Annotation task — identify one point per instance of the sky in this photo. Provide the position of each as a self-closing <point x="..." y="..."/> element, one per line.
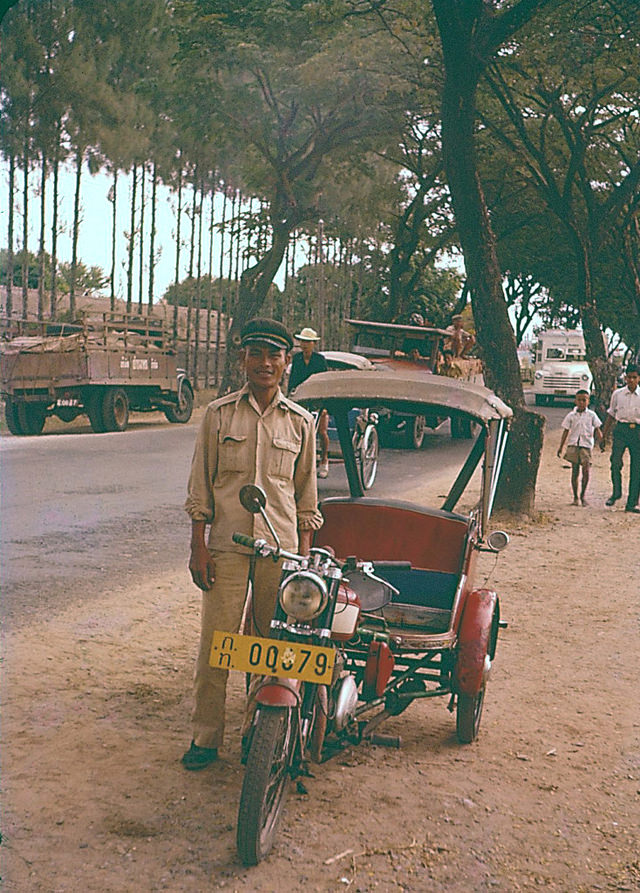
<point x="94" y="242"/>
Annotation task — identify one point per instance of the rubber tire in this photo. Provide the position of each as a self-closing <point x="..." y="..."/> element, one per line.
<point x="31" y="417"/>
<point x="93" y="406"/>
<point x="414" y="435"/>
<point x="11" y="417"/>
<point x="368" y="453"/>
<point x="180" y="414"/>
<point x="267" y="767"/>
<point x="468" y="716"/>
<point x="115" y="409"/>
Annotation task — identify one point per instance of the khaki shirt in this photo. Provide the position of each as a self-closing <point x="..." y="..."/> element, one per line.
<point x="238" y="445"/>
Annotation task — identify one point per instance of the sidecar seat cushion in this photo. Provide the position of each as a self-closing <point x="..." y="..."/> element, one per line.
<point x="432" y="589"/>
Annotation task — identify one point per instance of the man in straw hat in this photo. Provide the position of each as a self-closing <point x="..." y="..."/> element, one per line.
<point x="253" y="436"/>
<point x="305" y="363"/>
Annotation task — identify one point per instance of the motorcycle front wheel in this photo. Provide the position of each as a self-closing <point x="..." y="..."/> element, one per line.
<point x="266" y="782"/>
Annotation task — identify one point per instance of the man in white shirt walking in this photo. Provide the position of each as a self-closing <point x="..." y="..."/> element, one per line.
<point x="580" y="426"/>
<point x="624" y="413"/>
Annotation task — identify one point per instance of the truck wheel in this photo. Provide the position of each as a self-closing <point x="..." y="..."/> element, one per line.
<point x="182" y="412"/>
<point x="31" y="417"/>
<point x="115" y="409"/>
<point x="11" y="417"/>
<point x="93" y="405"/>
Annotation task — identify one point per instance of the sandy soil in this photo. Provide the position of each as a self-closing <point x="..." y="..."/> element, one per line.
<point x="96" y="706"/>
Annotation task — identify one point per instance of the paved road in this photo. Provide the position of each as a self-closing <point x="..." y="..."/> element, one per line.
<point x="84" y="511"/>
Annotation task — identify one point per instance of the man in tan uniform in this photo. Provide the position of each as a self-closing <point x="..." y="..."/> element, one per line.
<point x="253" y="436"/>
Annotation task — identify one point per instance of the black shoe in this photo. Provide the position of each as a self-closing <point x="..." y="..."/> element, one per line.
<point x="612" y="500"/>
<point x="199" y="757"/>
<point x="633" y="509"/>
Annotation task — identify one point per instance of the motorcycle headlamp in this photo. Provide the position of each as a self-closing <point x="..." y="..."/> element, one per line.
<point x="303" y="595"/>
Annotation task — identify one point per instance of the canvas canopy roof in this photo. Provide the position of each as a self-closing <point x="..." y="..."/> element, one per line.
<point x="403" y="391"/>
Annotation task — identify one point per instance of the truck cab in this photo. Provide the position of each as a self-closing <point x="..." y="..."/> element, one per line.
<point x="561" y="367"/>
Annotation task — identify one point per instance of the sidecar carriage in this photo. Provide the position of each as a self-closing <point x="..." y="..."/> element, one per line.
<point x="425" y="626"/>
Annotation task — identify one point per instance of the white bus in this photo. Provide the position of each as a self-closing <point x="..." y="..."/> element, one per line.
<point x="560" y="366"/>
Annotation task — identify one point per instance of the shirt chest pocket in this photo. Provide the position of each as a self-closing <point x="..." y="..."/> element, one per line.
<point x="233" y="454"/>
<point x="283" y="457"/>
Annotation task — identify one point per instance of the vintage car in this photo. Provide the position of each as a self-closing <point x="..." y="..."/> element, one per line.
<point x="412" y="349"/>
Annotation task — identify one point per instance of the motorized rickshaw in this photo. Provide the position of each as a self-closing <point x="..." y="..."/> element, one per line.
<point x="385" y="609"/>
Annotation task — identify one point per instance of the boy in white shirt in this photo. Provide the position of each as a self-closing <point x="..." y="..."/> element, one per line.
<point x="580" y="426"/>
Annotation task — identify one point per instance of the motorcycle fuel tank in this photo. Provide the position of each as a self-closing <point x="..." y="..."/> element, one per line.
<point x="346" y="616"/>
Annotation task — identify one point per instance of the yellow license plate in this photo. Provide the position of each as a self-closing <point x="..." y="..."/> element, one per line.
<point x="271" y="657"/>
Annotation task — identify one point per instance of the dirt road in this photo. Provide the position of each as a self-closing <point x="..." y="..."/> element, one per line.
<point x="96" y="706"/>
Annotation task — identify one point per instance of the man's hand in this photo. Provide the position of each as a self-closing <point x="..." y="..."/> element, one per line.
<point x="202" y="566"/>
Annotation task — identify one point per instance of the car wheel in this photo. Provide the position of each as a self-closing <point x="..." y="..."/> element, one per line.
<point x="415" y="432"/>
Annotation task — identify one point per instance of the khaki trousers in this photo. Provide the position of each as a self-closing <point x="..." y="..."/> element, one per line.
<point x="222" y="608"/>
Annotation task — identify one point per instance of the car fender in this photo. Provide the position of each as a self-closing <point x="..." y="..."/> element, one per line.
<point x="476" y="641"/>
<point x="276" y="692"/>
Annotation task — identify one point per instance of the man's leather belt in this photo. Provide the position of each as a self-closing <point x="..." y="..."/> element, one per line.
<point x="630" y="424"/>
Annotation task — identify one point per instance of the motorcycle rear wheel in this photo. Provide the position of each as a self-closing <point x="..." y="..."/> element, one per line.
<point x="266" y="783"/>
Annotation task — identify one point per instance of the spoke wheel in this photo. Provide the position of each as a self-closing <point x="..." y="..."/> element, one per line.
<point x="415" y="432"/>
<point x="468" y="716"/>
<point x="368" y="457"/>
<point x="182" y="412"/>
<point x="266" y="782"/>
<point x="115" y="409"/>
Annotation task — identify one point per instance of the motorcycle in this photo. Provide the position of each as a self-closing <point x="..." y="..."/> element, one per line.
<point x="305" y="692"/>
<point x="395" y="618"/>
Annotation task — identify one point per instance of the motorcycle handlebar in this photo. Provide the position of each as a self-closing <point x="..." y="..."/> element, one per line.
<point x="243" y="540"/>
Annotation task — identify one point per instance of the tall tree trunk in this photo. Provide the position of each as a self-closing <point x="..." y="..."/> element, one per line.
<point x="177" y="273"/>
<point x="207" y="356"/>
<point x="132" y="237"/>
<point x="152" y="234"/>
<point x="604" y="373"/>
<point x="53" y="298"/>
<point x="192" y="251"/>
<point x="223" y="224"/>
<point x="254" y="286"/>
<point x="12" y="174"/>
<point x="76" y="230"/>
<point x="196" y="346"/>
<point x="25" y="233"/>
<point x="238" y="248"/>
<point x="458" y="25"/>
<point x="141" y="267"/>
<point x="43" y="207"/>
<point x="114" y="233"/>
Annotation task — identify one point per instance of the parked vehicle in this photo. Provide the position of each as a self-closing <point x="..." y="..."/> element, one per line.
<point x="384" y="610"/>
<point x="405" y="348"/>
<point x="102" y="367"/>
<point x="561" y="367"/>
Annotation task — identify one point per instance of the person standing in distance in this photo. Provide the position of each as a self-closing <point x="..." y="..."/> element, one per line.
<point x="253" y="436"/>
<point x="580" y="427"/>
<point x="624" y="413"/>
<point x="304" y="364"/>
